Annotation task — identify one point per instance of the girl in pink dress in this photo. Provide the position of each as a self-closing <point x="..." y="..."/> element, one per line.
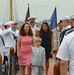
<point x="24" y="49"/>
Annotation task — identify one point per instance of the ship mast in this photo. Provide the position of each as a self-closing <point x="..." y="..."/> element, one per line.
<point x="11" y="10"/>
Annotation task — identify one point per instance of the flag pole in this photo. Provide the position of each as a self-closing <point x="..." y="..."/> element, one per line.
<point x="11" y="10"/>
<point x="56" y="29"/>
<point x="28" y="4"/>
<point x="27" y="13"/>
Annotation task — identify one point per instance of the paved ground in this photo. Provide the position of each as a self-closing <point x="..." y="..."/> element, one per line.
<point x="49" y="73"/>
<point x="51" y="67"/>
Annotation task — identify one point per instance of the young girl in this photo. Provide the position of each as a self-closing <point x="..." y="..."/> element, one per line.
<point x="24" y="49"/>
<point x="38" y="57"/>
<point x="47" y="41"/>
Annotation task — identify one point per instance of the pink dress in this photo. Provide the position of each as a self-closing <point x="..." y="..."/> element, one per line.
<point x="25" y="50"/>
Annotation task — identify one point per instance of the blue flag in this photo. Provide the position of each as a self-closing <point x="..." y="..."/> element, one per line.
<point x="53" y="20"/>
<point x="27" y="14"/>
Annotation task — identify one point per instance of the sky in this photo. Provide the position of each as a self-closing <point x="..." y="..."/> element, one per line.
<point x="41" y="9"/>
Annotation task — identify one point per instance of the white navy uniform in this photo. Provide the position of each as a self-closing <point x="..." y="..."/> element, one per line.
<point x="15" y="32"/>
<point x="63" y="32"/>
<point x="66" y="51"/>
<point x="34" y="29"/>
<point x="9" y="41"/>
<point x="65" y="29"/>
<point x="1" y="44"/>
<point x="38" y="60"/>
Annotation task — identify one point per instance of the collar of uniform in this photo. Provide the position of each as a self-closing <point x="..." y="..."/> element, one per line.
<point x="33" y="26"/>
<point x="69" y="26"/>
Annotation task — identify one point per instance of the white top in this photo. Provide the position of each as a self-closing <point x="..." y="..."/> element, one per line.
<point x="66" y="51"/>
<point x="69" y="26"/>
<point x="34" y="29"/>
<point x="17" y="32"/>
<point x="8" y="38"/>
<point x="1" y="42"/>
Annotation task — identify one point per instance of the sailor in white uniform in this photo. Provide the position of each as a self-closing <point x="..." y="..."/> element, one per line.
<point x="15" y="31"/>
<point x="8" y="40"/>
<point x="72" y="20"/>
<point x="66" y="27"/>
<point x="33" y="26"/>
<point x="14" y="28"/>
<point x="66" y="54"/>
<point x="1" y="42"/>
<point x="72" y="25"/>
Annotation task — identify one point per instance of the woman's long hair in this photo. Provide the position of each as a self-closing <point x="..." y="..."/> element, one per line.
<point x="22" y="31"/>
<point x="48" y="30"/>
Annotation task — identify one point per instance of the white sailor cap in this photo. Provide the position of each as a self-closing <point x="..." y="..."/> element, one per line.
<point x="12" y="22"/>
<point x="66" y="18"/>
<point x="31" y="18"/>
<point x="72" y="17"/>
<point x="7" y="24"/>
<point x="1" y="24"/>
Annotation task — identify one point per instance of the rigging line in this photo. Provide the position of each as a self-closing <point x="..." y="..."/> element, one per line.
<point x="1" y="3"/>
<point x="24" y="6"/>
<point x="42" y="5"/>
<point x="34" y="8"/>
<point x="4" y="16"/>
<point x="3" y="11"/>
<point x="7" y="13"/>
<point x="1" y="8"/>
<point x="7" y="18"/>
<point x="18" y="7"/>
<point x="23" y="3"/>
<point x="15" y="10"/>
<point x="23" y="12"/>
